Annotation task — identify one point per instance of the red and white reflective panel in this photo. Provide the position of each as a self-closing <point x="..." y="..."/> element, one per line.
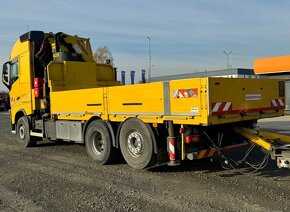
<point x="221" y="107"/>
<point x="278" y="103"/>
<point x="185" y="93"/>
<point x="171" y="149"/>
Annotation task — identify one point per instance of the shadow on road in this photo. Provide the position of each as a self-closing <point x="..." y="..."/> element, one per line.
<point x="214" y="166"/>
<point x="188" y="166"/>
<point x="203" y="165"/>
<point x="45" y="143"/>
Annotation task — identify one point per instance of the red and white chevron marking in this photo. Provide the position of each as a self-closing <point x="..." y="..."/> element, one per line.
<point x="277" y="103"/>
<point x="221" y="107"/>
<point x="171" y="149"/>
<point x="185" y="93"/>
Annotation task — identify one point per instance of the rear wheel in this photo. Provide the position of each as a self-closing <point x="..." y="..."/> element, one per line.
<point x="136" y="144"/>
<point x="99" y="143"/>
<point x="23" y="133"/>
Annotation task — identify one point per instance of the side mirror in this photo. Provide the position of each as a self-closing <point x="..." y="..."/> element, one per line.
<point x="5" y="75"/>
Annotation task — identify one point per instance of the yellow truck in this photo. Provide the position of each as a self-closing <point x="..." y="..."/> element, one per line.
<point x="58" y="91"/>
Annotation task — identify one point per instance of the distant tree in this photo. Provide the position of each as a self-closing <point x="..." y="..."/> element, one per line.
<point x="104" y="56"/>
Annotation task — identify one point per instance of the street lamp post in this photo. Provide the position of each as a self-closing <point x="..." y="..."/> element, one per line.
<point x="149" y="59"/>
<point x="227" y="53"/>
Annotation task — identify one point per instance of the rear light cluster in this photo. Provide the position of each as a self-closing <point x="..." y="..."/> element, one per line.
<point x="192" y="139"/>
<point x="38" y="87"/>
<point x="191" y="135"/>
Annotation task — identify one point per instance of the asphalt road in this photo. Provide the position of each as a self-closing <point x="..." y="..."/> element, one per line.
<point x="60" y="177"/>
<point x="278" y="125"/>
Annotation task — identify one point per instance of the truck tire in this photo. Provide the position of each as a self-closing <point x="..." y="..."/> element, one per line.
<point x="23" y="133"/>
<point x="136" y="144"/>
<point x="99" y="143"/>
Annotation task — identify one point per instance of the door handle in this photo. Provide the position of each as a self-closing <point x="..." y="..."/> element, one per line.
<point x="18" y="98"/>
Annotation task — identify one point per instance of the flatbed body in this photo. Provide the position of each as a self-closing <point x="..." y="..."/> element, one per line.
<point x="196" y="101"/>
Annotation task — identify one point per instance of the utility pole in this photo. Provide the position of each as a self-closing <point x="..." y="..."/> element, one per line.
<point x="227" y="53"/>
<point x="149" y="59"/>
<point x="27" y="28"/>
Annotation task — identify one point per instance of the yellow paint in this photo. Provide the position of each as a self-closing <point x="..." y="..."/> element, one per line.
<point x="201" y="154"/>
<point x="73" y="76"/>
<point x="253" y="137"/>
<point x="283" y="138"/>
<point x="81" y="44"/>
<point x="140" y="99"/>
<point x="182" y="143"/>
<point x="55" y="55"/>
<point x="22" y="87"/>
<point x="147" y="101"/>
<point x="236" y="90"/>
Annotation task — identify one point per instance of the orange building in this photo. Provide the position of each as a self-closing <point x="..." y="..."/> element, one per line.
<point x="276" y="67"/>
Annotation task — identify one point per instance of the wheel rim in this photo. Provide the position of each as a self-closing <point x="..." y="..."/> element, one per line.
<point x="22" y="132"/>
<point x="98" y="143"/>
<point x="135" y="143"/>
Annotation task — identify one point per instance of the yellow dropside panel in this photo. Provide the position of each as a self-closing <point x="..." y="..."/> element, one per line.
<point x="183" y="103"/>
<point x="77" y="104"/>
<point x="139" y="99"/>
<point x="243" y="99"/>
<point x="188" y="99"/>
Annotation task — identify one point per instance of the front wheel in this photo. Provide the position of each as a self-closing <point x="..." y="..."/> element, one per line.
<point x="23" y="133"/>
<point x="136" y="144"/>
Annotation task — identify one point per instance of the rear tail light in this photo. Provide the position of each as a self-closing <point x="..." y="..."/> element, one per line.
<point x="38" y="92"/>
<point x="38" y="87"/>
<point x="38" y="82"/>
<point x="192" y="139"/>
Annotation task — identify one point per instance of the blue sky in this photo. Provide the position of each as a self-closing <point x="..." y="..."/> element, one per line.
<point x="186" y="35"/>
